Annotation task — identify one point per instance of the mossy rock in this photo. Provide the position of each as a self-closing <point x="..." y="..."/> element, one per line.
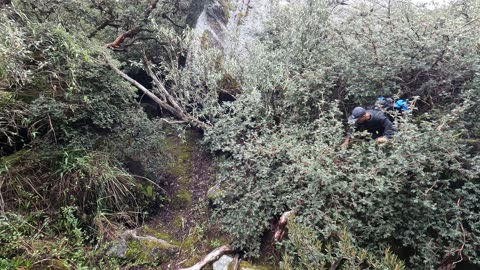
<point x="37" y="86"/>
<point x="56" y="264"/>
<point x="160" y="234"/>
<point x="244" y="265"/>
<point x="152" y="252"/>
<point x="193" y="260"/>
<point x="13" y="159"/>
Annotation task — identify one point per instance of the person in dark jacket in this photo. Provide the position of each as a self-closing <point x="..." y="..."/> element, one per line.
<point x="373" y="121"/>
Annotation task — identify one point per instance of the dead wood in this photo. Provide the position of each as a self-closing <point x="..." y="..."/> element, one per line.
<point x="281" y="229"/>
<point x="211" y="257"/>
<point x="282" y="226"/>
<point x="165" y="101"/>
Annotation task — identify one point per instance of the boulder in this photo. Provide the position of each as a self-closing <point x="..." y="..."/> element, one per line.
<point x="142" y="249"/>
<point x="222" y="263"/>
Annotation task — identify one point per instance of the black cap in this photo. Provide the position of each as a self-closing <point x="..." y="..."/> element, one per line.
<point x="356" y="113"/>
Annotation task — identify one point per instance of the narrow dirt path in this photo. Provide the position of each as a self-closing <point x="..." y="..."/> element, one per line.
<point x="185" y="218"/>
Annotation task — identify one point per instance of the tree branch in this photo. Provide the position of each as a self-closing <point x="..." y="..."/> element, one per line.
<point x="130" y="43"/>
<point x="165" y="16"/>
<point x="147" y="92"/>
<point x="211" y="257"/>
<point x="132" y="32"/>
<point x="159" y="84"/>
<point x="104" y="24"/>
<point x="176" y="110"/>
<point x="283" y="221"/>
<point x="282" y="224"/>
<point x="118" y="41"/>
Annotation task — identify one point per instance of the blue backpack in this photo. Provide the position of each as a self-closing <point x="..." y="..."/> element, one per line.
<point x="389" y="104"/>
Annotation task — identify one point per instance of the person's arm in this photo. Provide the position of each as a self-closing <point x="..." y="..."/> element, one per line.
<point x="388" y="130"/>
<point x="350" y="132"/>
<point x="345" y="143"/>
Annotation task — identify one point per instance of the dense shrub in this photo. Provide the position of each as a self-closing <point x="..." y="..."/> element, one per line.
<point x="416" y="194"/>
<point x="311" y="254"/>
<point x="68" y="127"/>
<point x="70" y="124"/>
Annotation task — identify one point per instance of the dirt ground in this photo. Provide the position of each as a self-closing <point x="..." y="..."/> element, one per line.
<point x="185" y="219"/>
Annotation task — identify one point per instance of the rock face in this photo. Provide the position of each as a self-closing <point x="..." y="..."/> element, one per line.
<point x="195" y="8"/>
<point x="232" y="24"/>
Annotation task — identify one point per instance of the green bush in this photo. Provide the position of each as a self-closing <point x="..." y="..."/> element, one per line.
<point x="68" y="127"/>
<point x="306" y="252"/>
<point x="416" y="194"/>
<point x="52" y="179"/>
<point x="35" y="241"/>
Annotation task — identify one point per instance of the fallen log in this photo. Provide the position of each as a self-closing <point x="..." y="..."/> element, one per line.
<point x="211" y="257"/>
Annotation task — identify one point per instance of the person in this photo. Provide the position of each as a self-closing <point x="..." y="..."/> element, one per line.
<point x="373" y="121"/>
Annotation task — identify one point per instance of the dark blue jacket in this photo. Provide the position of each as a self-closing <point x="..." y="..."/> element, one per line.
<point x="379" y="125"/>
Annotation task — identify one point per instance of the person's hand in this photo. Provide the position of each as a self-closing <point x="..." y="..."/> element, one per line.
<point x="345" y="144"/>
<point x="381" y="140"/>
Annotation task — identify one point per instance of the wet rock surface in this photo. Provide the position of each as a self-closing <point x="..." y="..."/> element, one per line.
<point x="233" y="24"/>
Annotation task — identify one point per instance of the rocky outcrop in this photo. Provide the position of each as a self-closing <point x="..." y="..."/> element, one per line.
<point x="232" y="24"/>
<point x="195" y="8"/>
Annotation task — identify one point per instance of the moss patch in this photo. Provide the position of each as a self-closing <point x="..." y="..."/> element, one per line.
<point x="11" y="160"/>
<point x="31" y="91"/>
<point x="160" y="233"/>
<point x="150" y="252"/>
<point x="181" y="200"/>
<point x="182" y="170"/>
<point x="244" y="265"/>
<point x="181" y="167"/>
<point x="5" y="96"/>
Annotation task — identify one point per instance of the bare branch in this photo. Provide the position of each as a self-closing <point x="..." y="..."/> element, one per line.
<point x="165" y="16"/>
<point x="104" y="24"/>
<point x="147" y="92"/>
<point x="160" y="85"/>
<point x="118" y="41"/>
<point x="283" y="221"/>
<point x="135" y="30"/>
<point x="464" y="239"/>
<point x="172" y="122"/>
<point x="282" y="224"/>
<point x="211" y="257"/>
<point x="176" y="110"/>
